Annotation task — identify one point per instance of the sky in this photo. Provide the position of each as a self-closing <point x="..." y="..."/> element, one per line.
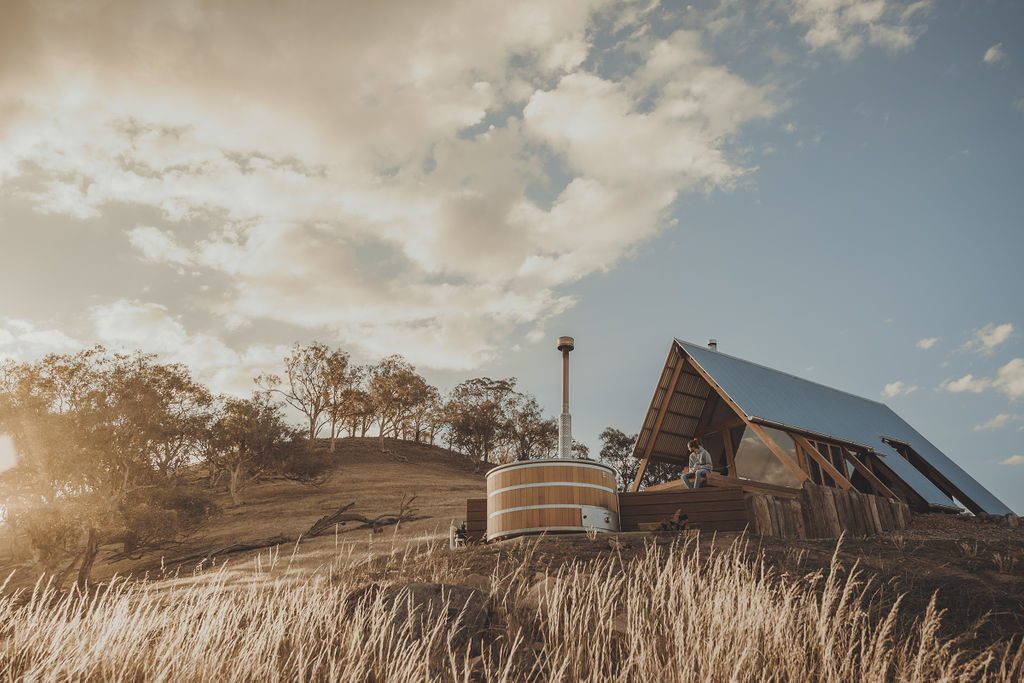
<point x="827" y="187"/>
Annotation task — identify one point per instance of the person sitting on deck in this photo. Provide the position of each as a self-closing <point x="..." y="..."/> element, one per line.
<point x="700" y="465"/>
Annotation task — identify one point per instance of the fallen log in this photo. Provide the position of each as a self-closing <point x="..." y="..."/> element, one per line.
<point x="325" y="524"/>
<point x="327" y="521"/>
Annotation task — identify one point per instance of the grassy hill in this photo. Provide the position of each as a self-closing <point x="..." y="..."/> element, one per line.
<point x="630" y="607"/>
<point x="376" y="482"/>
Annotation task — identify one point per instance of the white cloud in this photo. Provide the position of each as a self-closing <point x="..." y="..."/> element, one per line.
<point x="898" y="388"/>
<point x="847" y="25"/>
<point x="994" y="54"/>
<point x="24" y="340"/>
<point x="398" y="182"/>
<point x="1010" y="379"/>
<point x="967" y="383"/>
<point x="131" y="325"/>
<point x="928" y="343"/>
<point x="986" y="339"/>
<point x="997" y="422"/>
<point x="158" y="246"/>
<point x="1013" y="460"/>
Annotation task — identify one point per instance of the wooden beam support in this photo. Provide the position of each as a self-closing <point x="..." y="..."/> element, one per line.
<point x="908" y="495"/>
<point x="730" y="454"/>
<point x="689" y="395"/>
<point x="776" y="450"/>
<point x="656" y="428"/>
<point x="684" y="436"/>
<point x="801" y="457"/>
<point x="779" y="452"/>
<point x="824" y="463"/>
<point x="876" y="483"/>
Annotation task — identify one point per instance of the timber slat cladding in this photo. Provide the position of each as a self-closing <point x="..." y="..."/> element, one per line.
<point x="825" y="512"/>
<point x="476" y="518"/>
<point x="669" y="508"/>
<point x="534" y="519"/>
<point x="554" y="495"/>
<point x="706" y="509"/>
<point x="718" y="516"/>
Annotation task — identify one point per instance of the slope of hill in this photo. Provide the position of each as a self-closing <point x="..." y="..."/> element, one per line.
<point x="376" y="482"/>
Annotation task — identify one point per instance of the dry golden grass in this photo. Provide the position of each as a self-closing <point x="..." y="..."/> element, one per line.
<point x="672" y="613"/>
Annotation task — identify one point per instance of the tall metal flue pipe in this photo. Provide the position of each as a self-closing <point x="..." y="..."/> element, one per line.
<point x="565" y="345"/>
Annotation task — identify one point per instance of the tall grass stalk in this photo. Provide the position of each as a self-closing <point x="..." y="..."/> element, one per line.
<point x="674" y="613"/>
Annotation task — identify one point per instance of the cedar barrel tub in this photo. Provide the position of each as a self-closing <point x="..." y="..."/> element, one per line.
<point x="537" y="496"/>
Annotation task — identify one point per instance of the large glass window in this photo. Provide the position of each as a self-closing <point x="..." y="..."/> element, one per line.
<point x="754" y="461"/>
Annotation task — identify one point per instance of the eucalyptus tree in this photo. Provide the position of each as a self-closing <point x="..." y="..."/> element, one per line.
<point x="396" y="390"/>
<point x="478" y="415"/>
<point x="342" y="378"/>
<point x="247" y="438"/>
<point x="306" y="382"/>
<point x="100" y="439"/>
<point x="424" y="417"/>
<point x="617" y="451"/>
<point x="530" y="434"/>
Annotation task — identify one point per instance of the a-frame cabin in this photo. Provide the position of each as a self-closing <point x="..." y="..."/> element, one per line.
<point x="769" y="430"/>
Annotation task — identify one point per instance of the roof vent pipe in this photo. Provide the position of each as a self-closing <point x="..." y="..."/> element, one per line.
<point x="713" y="344"/>
<point x="565" y="345"/>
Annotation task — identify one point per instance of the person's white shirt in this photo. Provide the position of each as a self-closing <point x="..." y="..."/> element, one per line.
<point x="700" y="459"/>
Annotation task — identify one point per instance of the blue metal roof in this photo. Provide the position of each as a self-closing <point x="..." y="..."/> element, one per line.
<point x="779" y="398"/>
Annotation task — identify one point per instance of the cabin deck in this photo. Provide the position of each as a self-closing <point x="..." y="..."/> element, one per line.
<point x="719" y="481"/>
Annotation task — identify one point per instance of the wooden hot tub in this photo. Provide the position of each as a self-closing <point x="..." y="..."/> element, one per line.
<point x="537" y="496"/>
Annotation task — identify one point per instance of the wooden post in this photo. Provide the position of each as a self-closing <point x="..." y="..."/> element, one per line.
<point x="656" y="428"/>
<point x="730" y="455"/>
<point x="876" y="483"/>
<point x="823" y="462"/>
<point x="779" y="452"/>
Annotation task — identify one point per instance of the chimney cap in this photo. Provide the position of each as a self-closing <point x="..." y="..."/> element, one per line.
<point x="566" y="344"/>
<point x="713" y="344"/>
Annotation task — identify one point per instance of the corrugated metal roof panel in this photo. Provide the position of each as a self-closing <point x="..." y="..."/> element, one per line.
<point x="785" y="399"/>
